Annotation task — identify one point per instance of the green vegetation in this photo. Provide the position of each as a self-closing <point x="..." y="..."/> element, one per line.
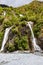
<point x="10" y="47"/>
<point x="21" y="44"/>
<point x="31" y="12"/>
<point x="1" y="37"/>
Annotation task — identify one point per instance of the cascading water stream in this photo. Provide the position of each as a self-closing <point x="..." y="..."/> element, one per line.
<point x="5" y="37"/>
<point x="36" y="47"/>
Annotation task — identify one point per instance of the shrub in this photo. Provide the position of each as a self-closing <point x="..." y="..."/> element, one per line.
<point x="7" y="24"/>
<point x="1" y="10"/>
<point x="23" y="23"/>
<point x="37" y="28"/>
<point x="10" y="47"/>
<point x="1" y="19"/>
<point x="15" y="30"/>
<point x="1" y="38"/>
<point x="24" y="18"/>
<point x="16" y="42"/>
<point x="24" y="43"/>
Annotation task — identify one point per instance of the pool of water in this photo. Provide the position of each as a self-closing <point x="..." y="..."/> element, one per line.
<point x="21" y="58"/>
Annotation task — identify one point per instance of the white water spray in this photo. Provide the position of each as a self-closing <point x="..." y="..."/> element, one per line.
<point x="36" y="47"/>
<point x="5" y="37"/>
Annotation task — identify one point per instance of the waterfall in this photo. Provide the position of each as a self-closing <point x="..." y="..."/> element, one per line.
<point x="36" y="47"/>
<point x="5" y="37"/>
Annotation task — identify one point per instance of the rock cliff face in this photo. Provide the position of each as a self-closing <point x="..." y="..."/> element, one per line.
<point x="19" y="36"/>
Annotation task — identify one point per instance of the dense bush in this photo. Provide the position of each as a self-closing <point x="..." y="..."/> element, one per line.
<point x="37" y="28"/>
<point x="21" y="44"/>
<point x="1" y="10"/>
<point x="10" y="47"/>
<point x="1" y="19"/>
<point x="7" y="24"/>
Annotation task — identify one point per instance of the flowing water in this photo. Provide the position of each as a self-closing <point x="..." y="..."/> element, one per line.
<point x="5" y="38"/>
<point x="36" y="47"/>
<point x="20" y="58"/>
